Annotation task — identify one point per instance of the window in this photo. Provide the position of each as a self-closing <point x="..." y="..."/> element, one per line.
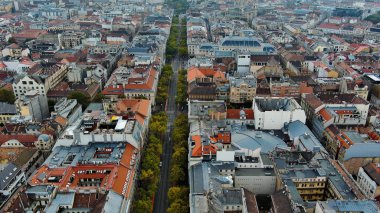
<point x="23" y="82"/>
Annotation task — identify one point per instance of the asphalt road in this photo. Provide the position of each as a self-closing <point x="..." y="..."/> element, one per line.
<point x="161" y="202"/>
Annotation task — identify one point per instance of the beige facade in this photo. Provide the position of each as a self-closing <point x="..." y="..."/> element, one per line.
<point x="5" y="117"/>
<point x="242" y="93"/>
<point x="55" y="75"/>
<point x="311" y="189"/>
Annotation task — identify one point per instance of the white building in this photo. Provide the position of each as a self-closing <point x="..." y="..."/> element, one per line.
<point x="273" y="113"/>
<point x="243" y="63"/>
<point x="368" y="180"/>
<point x="28" y="83"/>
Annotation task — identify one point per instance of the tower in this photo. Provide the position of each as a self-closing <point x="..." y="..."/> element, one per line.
<point x="249" y="7"/>
<point x="254" y="7"/>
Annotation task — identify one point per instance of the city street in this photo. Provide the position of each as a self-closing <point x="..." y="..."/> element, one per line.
<point x="161" y="199"/>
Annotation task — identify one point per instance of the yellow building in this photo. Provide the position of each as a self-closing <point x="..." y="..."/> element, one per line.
<point x="242" y="89"/>
<point x="311" y="189"/>
<point x="6" y="6"/>
<point x="332" y="74"/>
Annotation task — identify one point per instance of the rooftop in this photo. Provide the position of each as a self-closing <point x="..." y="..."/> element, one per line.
<point x="255" y="172"/>
<point x="6" y="108"/>
<point x="276" y="104"/>
<point x="61" y="199"/>
<point x="297" y="129"/>
<point x="373" y="171"/>
<point x="239" y="113"/>
<point x="300" y="165"/>
<point x="7" y="175"/>
<point x="254" y="140"/>
<point x="341" y="99"/>
<point x="240" y="41"/>
<point x="364" y="206"/>
<point x="111" y="164"/>
<point x="362" y="150"/>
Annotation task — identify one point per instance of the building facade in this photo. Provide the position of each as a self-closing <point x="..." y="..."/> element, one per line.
<point x="274" y="113"/>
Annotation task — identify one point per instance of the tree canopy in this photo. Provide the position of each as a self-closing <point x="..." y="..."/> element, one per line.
<point x="82" y="98"/>
<point x="7" y="96"/>
<point x="374" y="18"/>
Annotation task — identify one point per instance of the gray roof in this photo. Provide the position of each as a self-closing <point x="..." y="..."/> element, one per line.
<point x="6" y="108"/>
<point x="254" y="172"/>
<point x="113" y="203"/>
<point x="307" y="138"/>
<point x="240" y="41"/>
<point x="95" y="107"/>
<point x="363" y="150"/>
<point x="62" y="199"/>
<point x="81" y="153"/>
<point x="275" y="104"/>
<point x="230" y="197"/>
<point x="322" y="167"/>
<point x="44" y="138"/>
<point x="40" y="190"/>
<point x="7" y="174"/>
<point x="253" y="140"/>
<point x="236" y="82"/>
<point x="364" y="206"/>
<point x="223" y="54"/>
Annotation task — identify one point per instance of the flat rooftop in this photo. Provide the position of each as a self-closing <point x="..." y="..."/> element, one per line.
<point x="276" y="104"/>
<point x="255" y="172"/>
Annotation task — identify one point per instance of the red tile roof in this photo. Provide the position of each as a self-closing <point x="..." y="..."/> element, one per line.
<point x="138" y="106"/>
<point x="235" y="113"/>
<point x="304" y="89"/>
<point x="329" y="26"/>
<point x="33" y="34"/>
<point x="125" y="173"/>
<point x="199" y="149"/>
<point x="313" y="101"/>
<point x="147" y="85"/>
<point x="2" y="65"/>
<point x="202" y="72"/>
<point x="26" y="140"/>
<point x="119" y="177"/>
<point x="325" y="114"/>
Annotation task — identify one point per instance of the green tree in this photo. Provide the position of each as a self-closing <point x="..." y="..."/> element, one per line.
<point x="374" y="18"/>
<point x="183" y="51"/>
<point x="180" y="156"/>
<point x="12" y="40"/>
<point x="179" y="206"/>
<point x="177" y="192"/>
<point x="99" y="98"/>
<point x="177" y="174"/>
<point x="142" y="206"/>
<point x="7" y="96"/>
<point x="82" y="98"/>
